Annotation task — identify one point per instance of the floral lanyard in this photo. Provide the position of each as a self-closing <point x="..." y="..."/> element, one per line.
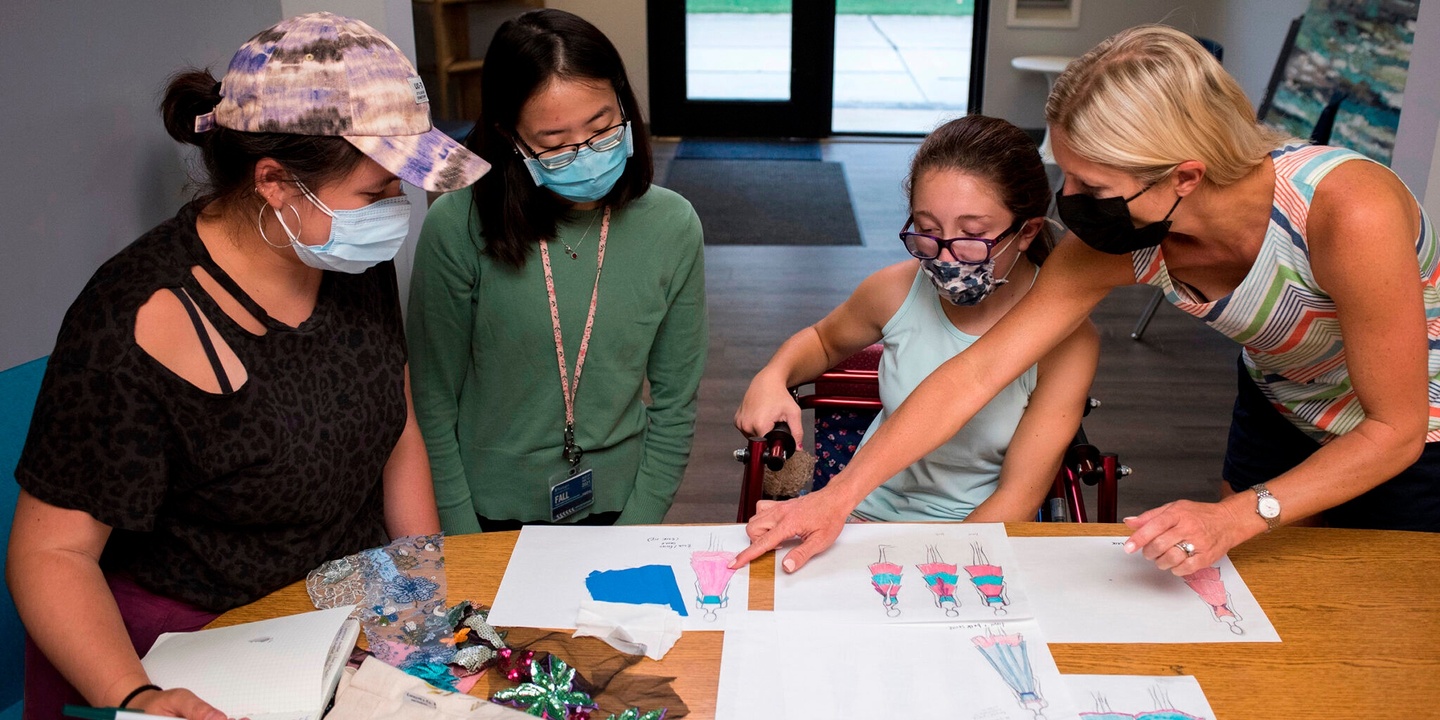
<point x="568" y="389"/>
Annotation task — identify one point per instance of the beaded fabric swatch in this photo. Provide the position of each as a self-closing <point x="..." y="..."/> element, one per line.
<point x="399" y="591"/>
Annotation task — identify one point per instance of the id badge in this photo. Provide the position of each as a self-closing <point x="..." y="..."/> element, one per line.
<point x="572" y="494"/>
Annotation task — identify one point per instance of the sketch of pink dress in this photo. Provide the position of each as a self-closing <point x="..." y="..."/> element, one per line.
<point x="885" y="577"/>
<point x="1207" y="584"/>
<point x="989" y="580"/>
<point x="712" y="580"/>
<point x="941" y="577"/>
<point x="1010" y="658"/>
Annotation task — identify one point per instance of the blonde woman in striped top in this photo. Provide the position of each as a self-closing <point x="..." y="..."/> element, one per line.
<point x="1317" y="261"/>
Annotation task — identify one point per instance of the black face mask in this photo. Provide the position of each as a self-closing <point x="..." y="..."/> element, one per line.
<point x="1105" y="223"/>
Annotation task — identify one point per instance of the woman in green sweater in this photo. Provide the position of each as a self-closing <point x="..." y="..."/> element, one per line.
<point x="544" y="299"/>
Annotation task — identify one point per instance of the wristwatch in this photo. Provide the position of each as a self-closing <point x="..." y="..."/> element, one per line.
<point x="1267" y="506"/>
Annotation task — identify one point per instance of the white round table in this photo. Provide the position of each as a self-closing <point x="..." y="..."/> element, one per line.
<point x="1050" y="66"/>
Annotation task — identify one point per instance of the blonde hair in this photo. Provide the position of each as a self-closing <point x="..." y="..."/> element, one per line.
<point x="1149" y="98"/>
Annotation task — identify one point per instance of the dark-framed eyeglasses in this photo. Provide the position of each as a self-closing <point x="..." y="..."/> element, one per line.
<point x="561" y="155"/>
<point x="968" y="250"/>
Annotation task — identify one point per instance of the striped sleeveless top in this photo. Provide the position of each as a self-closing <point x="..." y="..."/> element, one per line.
<point x="1285" y="321"/>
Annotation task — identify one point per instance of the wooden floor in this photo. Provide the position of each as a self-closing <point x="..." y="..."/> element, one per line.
<point x="1166" y="399"/>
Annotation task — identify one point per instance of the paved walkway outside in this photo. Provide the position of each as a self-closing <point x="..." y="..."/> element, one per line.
<point x="893" y="73"/>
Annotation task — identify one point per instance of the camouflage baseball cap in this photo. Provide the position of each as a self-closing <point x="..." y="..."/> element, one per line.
<point x="325" y="74"/>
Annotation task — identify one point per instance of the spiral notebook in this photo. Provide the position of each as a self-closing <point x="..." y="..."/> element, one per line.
<point x="285" y="668"/>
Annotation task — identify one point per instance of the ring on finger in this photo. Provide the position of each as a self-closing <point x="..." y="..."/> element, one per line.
<point x="1186" y="547"/>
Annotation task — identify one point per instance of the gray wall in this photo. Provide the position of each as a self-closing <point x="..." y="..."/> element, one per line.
<point x="1417" y="149"/>
<point x="89" y="166"/>
<point x="1252" y="31"/>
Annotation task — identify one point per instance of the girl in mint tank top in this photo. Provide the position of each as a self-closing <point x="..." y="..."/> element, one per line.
<point x="977" y="233"/>
<point x="1318" y="262"/>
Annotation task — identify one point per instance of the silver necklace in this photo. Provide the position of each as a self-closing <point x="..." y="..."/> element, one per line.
<point x="571" y="250"/>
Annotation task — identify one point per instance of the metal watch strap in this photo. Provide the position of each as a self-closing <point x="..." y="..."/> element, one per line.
<point x="1262" y="492"/>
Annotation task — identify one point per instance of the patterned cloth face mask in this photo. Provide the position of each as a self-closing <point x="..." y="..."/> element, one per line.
<point x="965" y="284"/>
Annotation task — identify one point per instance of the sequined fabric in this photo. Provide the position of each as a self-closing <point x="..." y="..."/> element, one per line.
<point x="399" y="591"/>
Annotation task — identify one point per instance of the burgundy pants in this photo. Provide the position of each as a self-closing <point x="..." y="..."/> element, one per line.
<point x="146" y="616"/>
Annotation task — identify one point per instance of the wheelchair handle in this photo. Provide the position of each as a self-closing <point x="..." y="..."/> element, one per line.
<point x="772" y="450"/>
<point x="779" y="446"/>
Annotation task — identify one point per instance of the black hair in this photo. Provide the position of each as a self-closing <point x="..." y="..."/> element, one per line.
<point x="230" y="155"/>
<point x="526" y="53"/>
<point x="1002" y="154"/>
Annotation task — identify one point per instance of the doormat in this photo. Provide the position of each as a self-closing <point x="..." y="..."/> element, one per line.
<point x="703" y="149"/>
<point x="767" y="202"/>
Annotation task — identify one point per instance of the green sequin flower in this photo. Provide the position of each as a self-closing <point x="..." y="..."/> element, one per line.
<point x="635" y="714"/>
<point x="549" y="694"/>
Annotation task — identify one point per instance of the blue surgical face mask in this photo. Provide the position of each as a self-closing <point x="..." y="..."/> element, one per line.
<point x="359" y="239"/>
<point x="590" y="176"/>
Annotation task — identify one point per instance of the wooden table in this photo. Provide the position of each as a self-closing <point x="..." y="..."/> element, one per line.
<point x="1358" y="612"/>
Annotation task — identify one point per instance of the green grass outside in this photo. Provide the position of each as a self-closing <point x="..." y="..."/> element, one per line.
<point x="843" y="7"/>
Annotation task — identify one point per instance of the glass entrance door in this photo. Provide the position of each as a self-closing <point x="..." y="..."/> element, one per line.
<point x="765" y="71"/>
<point x="905" y="66"/>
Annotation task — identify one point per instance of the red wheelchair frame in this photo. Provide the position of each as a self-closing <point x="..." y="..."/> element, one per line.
<point x="853" y="385"/>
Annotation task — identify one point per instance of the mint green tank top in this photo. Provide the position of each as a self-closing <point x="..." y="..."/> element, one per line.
<point x="948" y="483"/>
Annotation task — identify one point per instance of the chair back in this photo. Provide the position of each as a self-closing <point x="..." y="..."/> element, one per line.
<point x="19" y="387"/>
<point x="846" y="399"/>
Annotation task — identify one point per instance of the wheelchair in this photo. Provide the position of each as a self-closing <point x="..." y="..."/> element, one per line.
<point x="846" y="398"/>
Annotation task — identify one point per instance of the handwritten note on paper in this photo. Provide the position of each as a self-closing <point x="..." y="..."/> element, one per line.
<point x="546" y="578"/>
<point x="909" y="573"/>
<point x="1087" y="590"/>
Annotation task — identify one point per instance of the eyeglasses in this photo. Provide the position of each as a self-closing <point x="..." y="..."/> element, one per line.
<point x="562" y="155"/>
<point x="968" y="250"/>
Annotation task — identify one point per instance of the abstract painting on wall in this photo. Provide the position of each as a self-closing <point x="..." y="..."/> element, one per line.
<point x="1352" y="56"/>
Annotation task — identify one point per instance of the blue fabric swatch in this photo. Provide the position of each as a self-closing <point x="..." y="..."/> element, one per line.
<point x="648" y="584"/>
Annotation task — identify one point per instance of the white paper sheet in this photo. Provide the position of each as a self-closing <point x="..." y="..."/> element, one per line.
<point x="840" y="581"/>
<point x="1087" y="590"/>
<point x="1139" y="697"/>
<point x="796" y="667"/>
<point x="545" y="580"/>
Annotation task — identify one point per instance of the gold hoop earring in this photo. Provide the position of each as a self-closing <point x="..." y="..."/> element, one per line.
<point x="260" y="224"/>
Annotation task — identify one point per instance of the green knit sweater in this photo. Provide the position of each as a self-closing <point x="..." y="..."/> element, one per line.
<point x="486" y="382"/>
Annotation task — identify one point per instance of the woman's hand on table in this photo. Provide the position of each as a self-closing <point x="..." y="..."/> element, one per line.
<point x="816" y="518"/>
<point x="1212" y="528"/>
<point x="766" y="403"/>
<point x="179" y="702"/>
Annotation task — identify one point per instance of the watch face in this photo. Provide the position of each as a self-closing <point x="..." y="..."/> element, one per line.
<point x="1268" y="507"/>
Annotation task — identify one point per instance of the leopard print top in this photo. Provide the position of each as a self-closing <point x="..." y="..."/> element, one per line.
<point x="220" y="499"/>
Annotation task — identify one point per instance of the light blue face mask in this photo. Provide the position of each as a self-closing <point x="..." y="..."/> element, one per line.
<point x="589" y="177"/>
<point x="359" y="239"/>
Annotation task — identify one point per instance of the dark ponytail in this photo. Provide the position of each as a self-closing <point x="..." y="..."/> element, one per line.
<point x="230" y="156"/>
<point x="1001" y="154"/>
